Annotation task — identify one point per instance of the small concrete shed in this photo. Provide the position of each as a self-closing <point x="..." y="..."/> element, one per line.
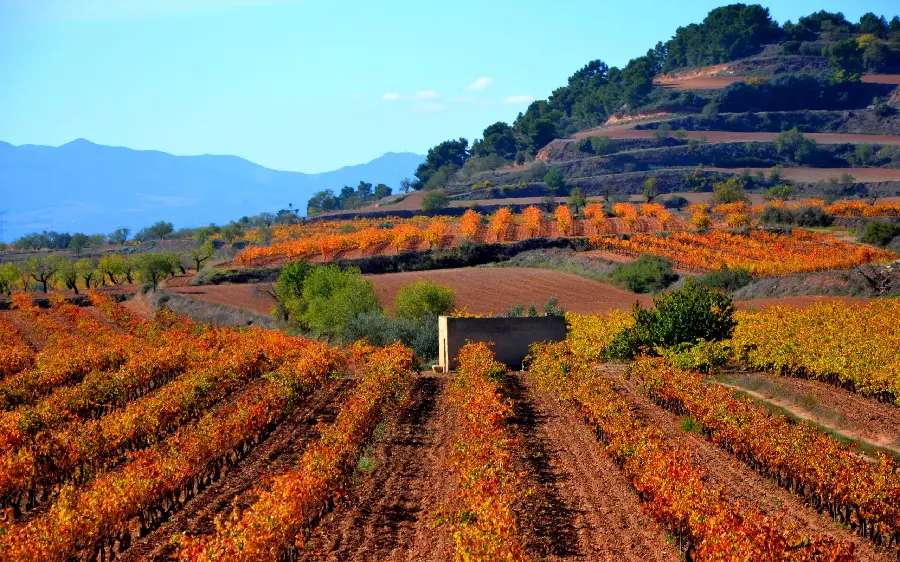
<point x="511" y="336"/>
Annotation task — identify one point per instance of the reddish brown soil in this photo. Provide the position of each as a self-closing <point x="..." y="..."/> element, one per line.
<point x="393" y="512"/>
<point x="837" y="409"/>
<point x="26" y="329"/>
<point x="728" y="136"/>
<point x="280" y="450"/>
<point x="580" y="506"/>
<point x="739" y="482"/>
<point x="705" y="83"/>
<point x="701" y="79"/>
<point x="495" y="290"/>
<point x="250" y="296"/>
<point x="484" y="291"/>
<point x="821" y="174"/>
<point x="881" y="78"/>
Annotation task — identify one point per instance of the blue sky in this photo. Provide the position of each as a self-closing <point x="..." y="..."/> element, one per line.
<point x="310" y="86"/>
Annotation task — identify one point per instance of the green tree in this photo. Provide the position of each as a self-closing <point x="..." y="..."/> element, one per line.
<point x="231" y="232"/>
<point x="796" y="146"/>
<point x="577" y="200"/>
<point x="650" y="189"/>
<point x="846" y="60"/>
<point x="113" y="266"/>
<point x="686" y="315"/>
<point x="554" y="180"/>
<point x="423" y="298"/>
<point x="9" y="275"/>
<point x="157" y="231"/>
<point x="198" y="255"/>
<point x="87" y="270"/>
<point x="119" y="235"/>
<point x="434" y="200"/>
<point x="155" y="268"/>
<point x="452" y="153"/>
<point x="78" y="243"/>
<point x="499" y="139"/>
<point x="382" y="191"/>
<point x="42" y="270"/>
<point x="333" y="296"/>
<point x="729" y="191"/>
<point x="68" y="275"/>
<point x="288" y="291"/>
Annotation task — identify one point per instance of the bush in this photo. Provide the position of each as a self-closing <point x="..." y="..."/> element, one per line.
<point x="687" y="315"/>
<point x="806" y="216"/>
<point x="647" y="274"/>
<point x="289" y="291"/>
<point x="434" y="200"/>
<point x="421" y="334"/>
<point x="880" y="232"/>
<point x="598" y="146"/>
<point x="677" y="202"/>
<point x="726" y="280"/>
<point x="423" y="298"/>
<point x="332" y="297"/>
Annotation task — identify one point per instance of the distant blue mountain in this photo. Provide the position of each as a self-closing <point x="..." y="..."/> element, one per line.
<point x="87" y="187"/>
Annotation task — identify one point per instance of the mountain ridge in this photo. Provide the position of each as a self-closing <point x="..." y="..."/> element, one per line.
<point x="82" y="186"/>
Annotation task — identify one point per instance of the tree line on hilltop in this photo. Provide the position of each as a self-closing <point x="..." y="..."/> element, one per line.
<point x="597" y="91"/>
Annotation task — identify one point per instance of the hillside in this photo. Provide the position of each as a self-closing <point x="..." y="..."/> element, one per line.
<point x="82" y="186"/>
<point x="709" y="101"/>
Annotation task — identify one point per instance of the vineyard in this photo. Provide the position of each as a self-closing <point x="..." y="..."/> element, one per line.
<point x="167" y="439"/>
<point x="650" y="229"/>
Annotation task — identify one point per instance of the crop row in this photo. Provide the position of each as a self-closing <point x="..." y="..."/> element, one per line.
<point x="97" y="518"/>
<point x="68" y="356"/>
<point x="485" y="526"/>
<point x="863" y="495"/>
<point x="291" y="501"/>
<point x="101" y="392"/>
<point x="670" y="485"/>
<point x="760" y="253"/>
<point x="852" y="346"/>
<point x="15" y="352"/>
<point x="76" y="450"/>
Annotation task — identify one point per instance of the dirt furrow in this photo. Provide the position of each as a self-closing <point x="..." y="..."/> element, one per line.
<point x="579" y="506"/>
<point x="398" y="490"/>
<point x="281" y="449"/>
<point x="740" y="483"/>
<point x="848" y="413"/>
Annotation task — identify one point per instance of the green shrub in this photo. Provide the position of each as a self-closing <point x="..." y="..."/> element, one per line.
<point x="420" y="334"/>
<point x="332" y="297"/>
<point x="880" y="232"/>
<point x="647" y="274"/>
<point x="726" y="279"/>
<point x="807" y="216"/>
<point x="424" y="298"/>
<point x="687" y="315"/>
<point x="434" y="200"/>
<point x="551" y="308"/>
<point x="289" y="291"/>
<point x="676" y="202"/>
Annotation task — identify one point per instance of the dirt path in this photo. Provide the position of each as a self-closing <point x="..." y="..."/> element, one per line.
<point x="739" y="482"/>
<point x="580" y="506"/>
<point x="804" y="174"/>
<point x="729" y="136"/>
<point x="390" y="513"/>
<point x="834" y="408"/>
<point x="281" y="449"/>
